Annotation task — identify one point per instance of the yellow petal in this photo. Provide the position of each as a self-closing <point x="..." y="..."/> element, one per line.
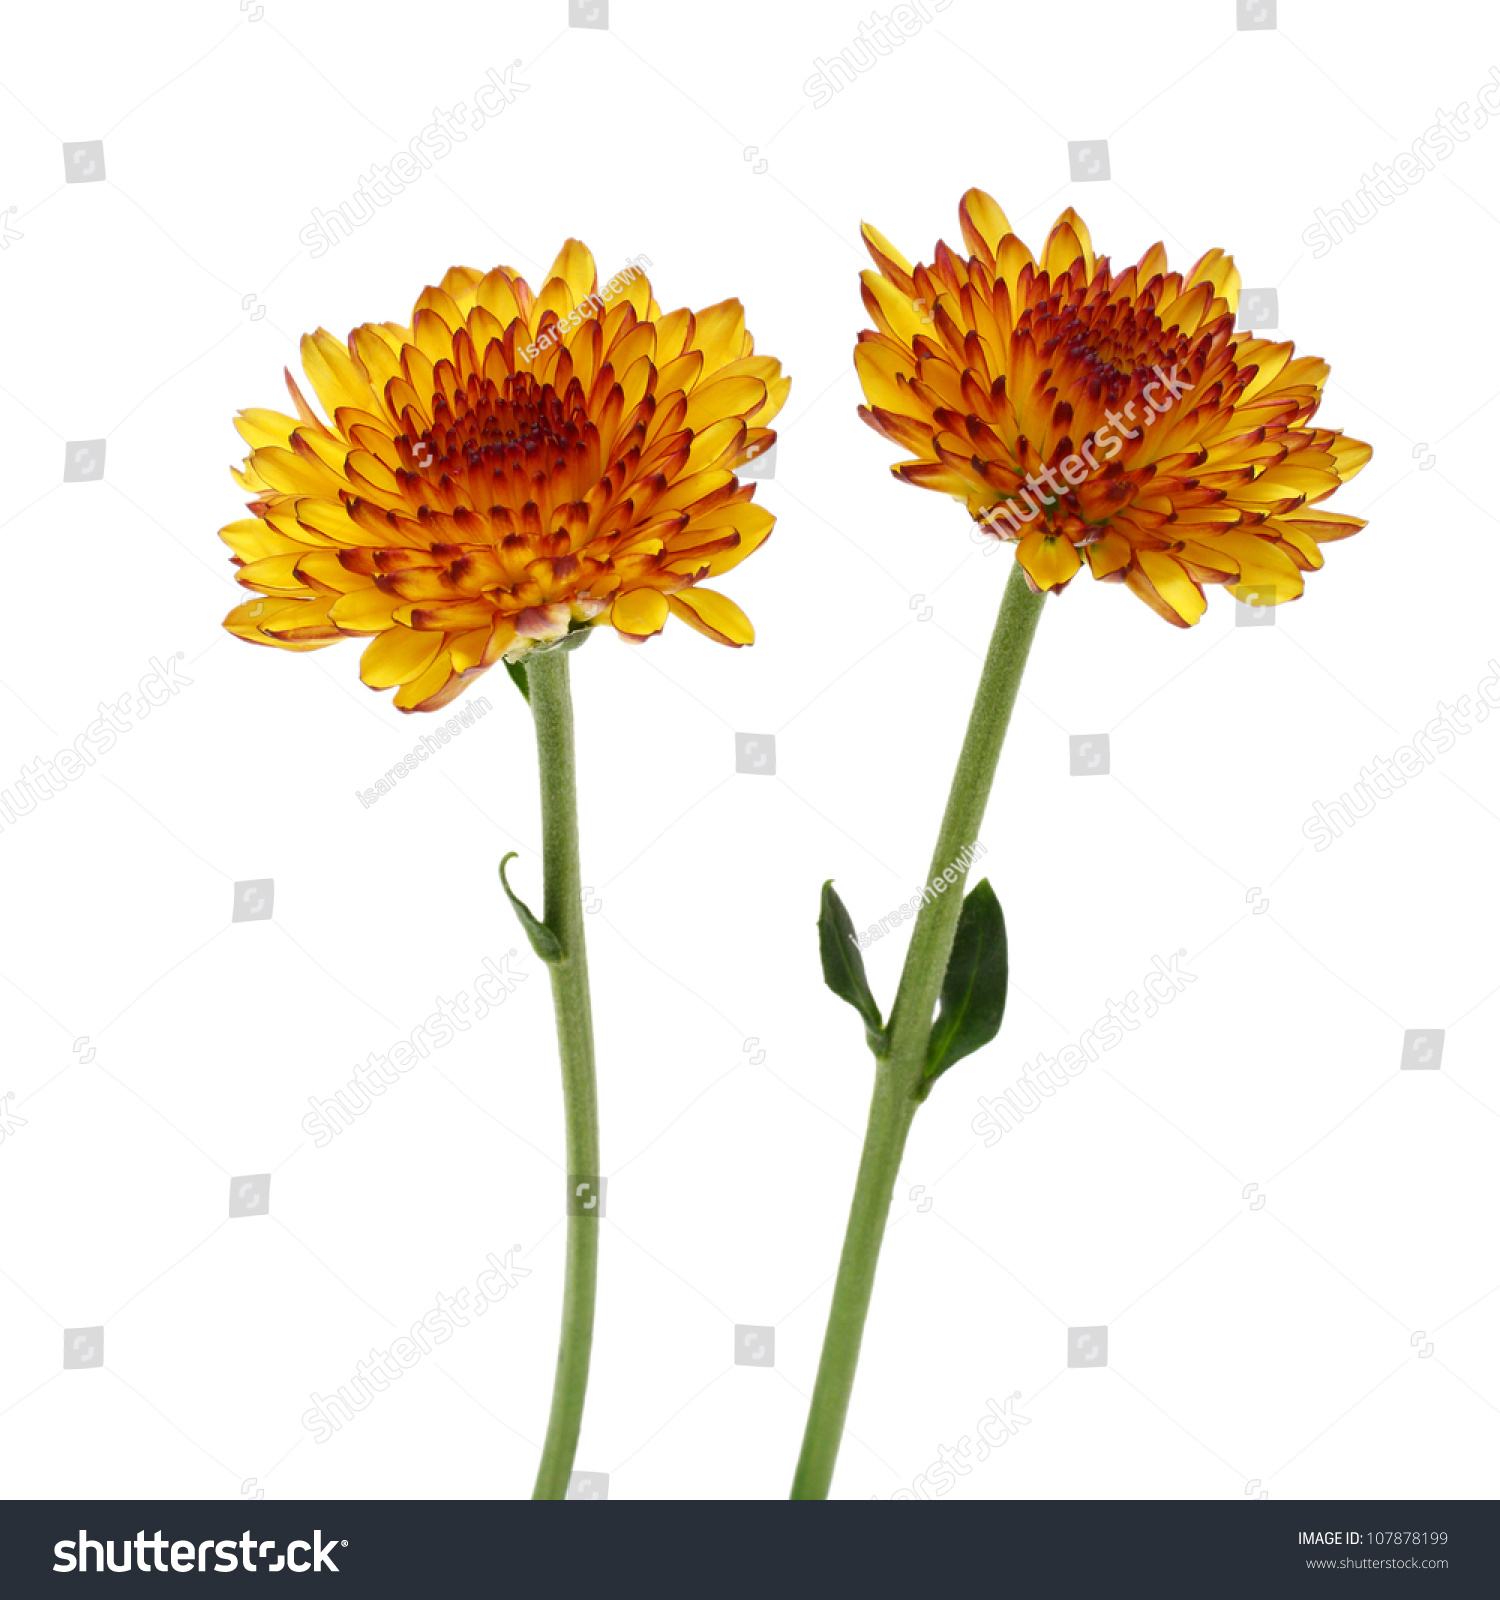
<point x="640" y="613"/>
<point x="575" y="266"/>
<point x="720" y="335"/>
<point x="399" y="655"/>
<point x="983" y="223"/>
<point x="333" y="374"/>
<point x="1173" y="585"/>
<point x="1049" y="559"/>
<point x="714" y="615"/>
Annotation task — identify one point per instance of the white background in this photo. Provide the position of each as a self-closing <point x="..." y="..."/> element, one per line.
<point x="1284" y="1343"/>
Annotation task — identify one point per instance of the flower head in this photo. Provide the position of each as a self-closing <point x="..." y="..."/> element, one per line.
<point x="510" y="467"/>
<point x="1113" y="418"/>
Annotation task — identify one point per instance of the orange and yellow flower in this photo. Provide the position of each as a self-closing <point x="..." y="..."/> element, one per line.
<point x="510" y="467"/>
<point x="1115" y="418"/>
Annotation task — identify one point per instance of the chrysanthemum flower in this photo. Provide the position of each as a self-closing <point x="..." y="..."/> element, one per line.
<point x="1110" y="417"/>
<point x="507" y="469"/>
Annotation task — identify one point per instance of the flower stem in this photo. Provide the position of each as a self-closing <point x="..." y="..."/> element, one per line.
<point x="900" y="1072"/>
<point x="552" y="711"/>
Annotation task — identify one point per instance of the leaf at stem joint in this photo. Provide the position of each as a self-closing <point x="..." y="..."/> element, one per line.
<point x="844" y="966"/>
<point x="974" y="986"/>
<point x="517" y="671"/>
<point x="541" y="938"/>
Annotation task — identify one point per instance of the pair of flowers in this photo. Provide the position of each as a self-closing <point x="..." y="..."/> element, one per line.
<point x="514" y="469"/>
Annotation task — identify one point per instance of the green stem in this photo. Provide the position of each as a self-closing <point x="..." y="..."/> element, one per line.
<point x="552" y="711"/>
<point x="899" y="1072"/>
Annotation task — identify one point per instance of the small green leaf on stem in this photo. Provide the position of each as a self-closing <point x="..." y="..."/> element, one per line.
<point x="517" y="671"/>
<point x="538" y="934"/>
<point x="973" y="995"/>
<point x="844" y="966"/>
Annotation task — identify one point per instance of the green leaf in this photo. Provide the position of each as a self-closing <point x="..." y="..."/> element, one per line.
<point x="539" y="935"/>
<point x="517" y="671"/>
<point x="973" y="997"/>
<point x="844" y="966"/>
